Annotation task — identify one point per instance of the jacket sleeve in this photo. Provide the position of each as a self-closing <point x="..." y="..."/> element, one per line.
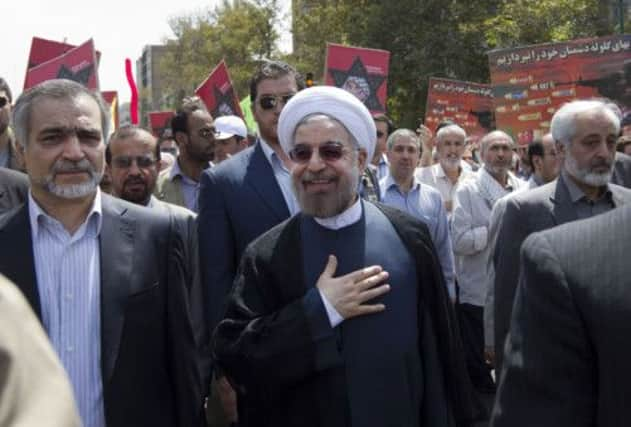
<point x="186" y="352"/>
<point x="548" y="377"/>
<point x="513" y="230"/>
<point x="216" y="247"/>
<point x="469" y="238"/>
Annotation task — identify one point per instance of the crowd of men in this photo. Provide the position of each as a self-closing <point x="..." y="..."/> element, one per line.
<point x="337" y="271"/>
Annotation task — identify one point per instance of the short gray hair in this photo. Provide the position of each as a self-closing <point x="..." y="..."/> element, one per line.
<point x="451" y="129"/>
<point x="403" y="133"/>
<point x="484" y="142"/>
<point x="53" y="89"/>
<point x="563" y="124"/>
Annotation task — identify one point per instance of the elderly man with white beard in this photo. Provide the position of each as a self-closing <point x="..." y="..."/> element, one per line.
<point x="449" y="173"/>
<point x="585" y="133"/>
<point x="339" y="316"/>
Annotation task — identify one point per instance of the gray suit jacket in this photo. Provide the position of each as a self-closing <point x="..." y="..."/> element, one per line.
<point x="149" y="355"/>
<point x="13" y="189"/>
<point x="534" y="210"/>
<point x="568" y="353"/>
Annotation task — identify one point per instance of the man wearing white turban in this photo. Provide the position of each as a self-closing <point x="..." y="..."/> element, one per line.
<point x="340" y="316"/>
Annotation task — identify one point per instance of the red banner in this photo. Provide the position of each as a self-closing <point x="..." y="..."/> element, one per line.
<point x="360" y="71"/>
<point x="159" y="120"/>
<point x="111" y="98"/>
<point x="78" y="64"/>
<point x="218" y="93"/>
<point x="468" y="104"/>
<point x="43" y="50"/>
<point x="531" y="82"/>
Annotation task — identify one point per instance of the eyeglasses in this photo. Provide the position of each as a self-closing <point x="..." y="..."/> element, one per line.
<point x="329" y="152"/>
<point x="125" y="162"/>
<point x="207" y="132"/>
<point x="267" y="102"/>
<point x="3" y="101"/>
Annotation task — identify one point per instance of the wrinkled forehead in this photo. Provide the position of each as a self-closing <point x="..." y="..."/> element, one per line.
<point x="68" y="112"/>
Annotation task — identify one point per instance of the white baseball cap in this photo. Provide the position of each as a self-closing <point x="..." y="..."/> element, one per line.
<point x="228" y="126"/>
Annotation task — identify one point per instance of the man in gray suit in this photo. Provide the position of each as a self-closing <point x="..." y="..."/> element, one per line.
<point x="567" y="356"/>
<point x="585" y="133"/>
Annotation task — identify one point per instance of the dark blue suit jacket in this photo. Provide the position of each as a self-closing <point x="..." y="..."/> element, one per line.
<point x="238" y="201"/>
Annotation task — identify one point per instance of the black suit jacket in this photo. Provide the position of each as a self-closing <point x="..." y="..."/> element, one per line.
<point x="568" y="353"/>
<point x="13" y="189"/>
<point x="286" y="376"/>
<point x="238" y="201"/>
<point x="527" y="212"/>
<point x="149" y="357"/>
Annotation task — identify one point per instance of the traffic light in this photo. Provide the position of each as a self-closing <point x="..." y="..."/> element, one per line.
<point x="309" y="80"/>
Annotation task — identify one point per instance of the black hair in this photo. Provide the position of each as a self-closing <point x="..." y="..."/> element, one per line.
<point x="273" y="70"/>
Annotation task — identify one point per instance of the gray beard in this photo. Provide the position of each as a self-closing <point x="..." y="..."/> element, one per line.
<point x="585" y="175"/>
<point x="328" y="205"/>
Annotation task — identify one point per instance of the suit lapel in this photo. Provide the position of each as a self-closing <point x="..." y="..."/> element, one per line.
<point x="16" y="256"/>
<point x="117" y="252"/>
<point x="562" y="208"/>
<point x="261" y="176"/>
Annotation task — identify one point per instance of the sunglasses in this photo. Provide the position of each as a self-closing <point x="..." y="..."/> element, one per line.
<point x="3" y="101"/>
<point x="207" y="133"/>
<point x="329" y="152"/>
<point x="125" y="162"/>
<point x="267" y="102"/>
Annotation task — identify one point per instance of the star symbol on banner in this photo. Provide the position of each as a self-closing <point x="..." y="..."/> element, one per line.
<point x="357" y="81"/>
<point x="82" y="76"/>
<point x="224" y="103"/>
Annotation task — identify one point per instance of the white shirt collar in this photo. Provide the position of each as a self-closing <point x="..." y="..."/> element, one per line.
<point x="35" y="212"/>
<point x="349" y="217"/>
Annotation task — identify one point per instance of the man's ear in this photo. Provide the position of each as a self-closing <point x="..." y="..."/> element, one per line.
<point x="537" y="162"/>
<point x="181" y="138"/>
<point x="20" y="154"/>
<point x="361" y="159"/>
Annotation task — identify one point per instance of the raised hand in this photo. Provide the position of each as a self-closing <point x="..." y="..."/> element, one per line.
<point x="349" y="293"/>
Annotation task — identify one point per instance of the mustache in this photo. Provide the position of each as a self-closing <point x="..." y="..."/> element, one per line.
<point x="134" y="180"/>
<point x="64" y="165"/>
<point x="310" y="176"/>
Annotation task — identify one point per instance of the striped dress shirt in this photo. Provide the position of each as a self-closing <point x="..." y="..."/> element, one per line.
<point x="69" y="284"/>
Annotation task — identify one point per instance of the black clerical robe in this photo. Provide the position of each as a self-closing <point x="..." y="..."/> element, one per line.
<point x="286" y="375"/>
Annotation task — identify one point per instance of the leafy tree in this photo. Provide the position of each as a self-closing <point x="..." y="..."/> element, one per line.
<point x="439" y="38"/>
<point x="240" y="32"/>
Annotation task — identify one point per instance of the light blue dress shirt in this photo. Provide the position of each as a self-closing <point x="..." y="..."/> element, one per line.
<point x="283" y="177"/>
<point x="69" y="284"/>
<point x="426" y="204"/>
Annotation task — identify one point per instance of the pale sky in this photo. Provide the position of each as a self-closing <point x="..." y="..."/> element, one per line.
<point x="120" y="29"/>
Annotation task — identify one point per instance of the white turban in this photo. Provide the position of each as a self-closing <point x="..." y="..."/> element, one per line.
<point x="334" y="102"/>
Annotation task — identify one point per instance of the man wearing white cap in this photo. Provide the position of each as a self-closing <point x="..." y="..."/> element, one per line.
<point x="231" y="137"/>
<point x="340" y="316"/>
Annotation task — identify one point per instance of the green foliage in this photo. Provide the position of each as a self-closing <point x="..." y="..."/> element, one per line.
<point x="441" y="38"/>
<point x="240" y="32"/>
